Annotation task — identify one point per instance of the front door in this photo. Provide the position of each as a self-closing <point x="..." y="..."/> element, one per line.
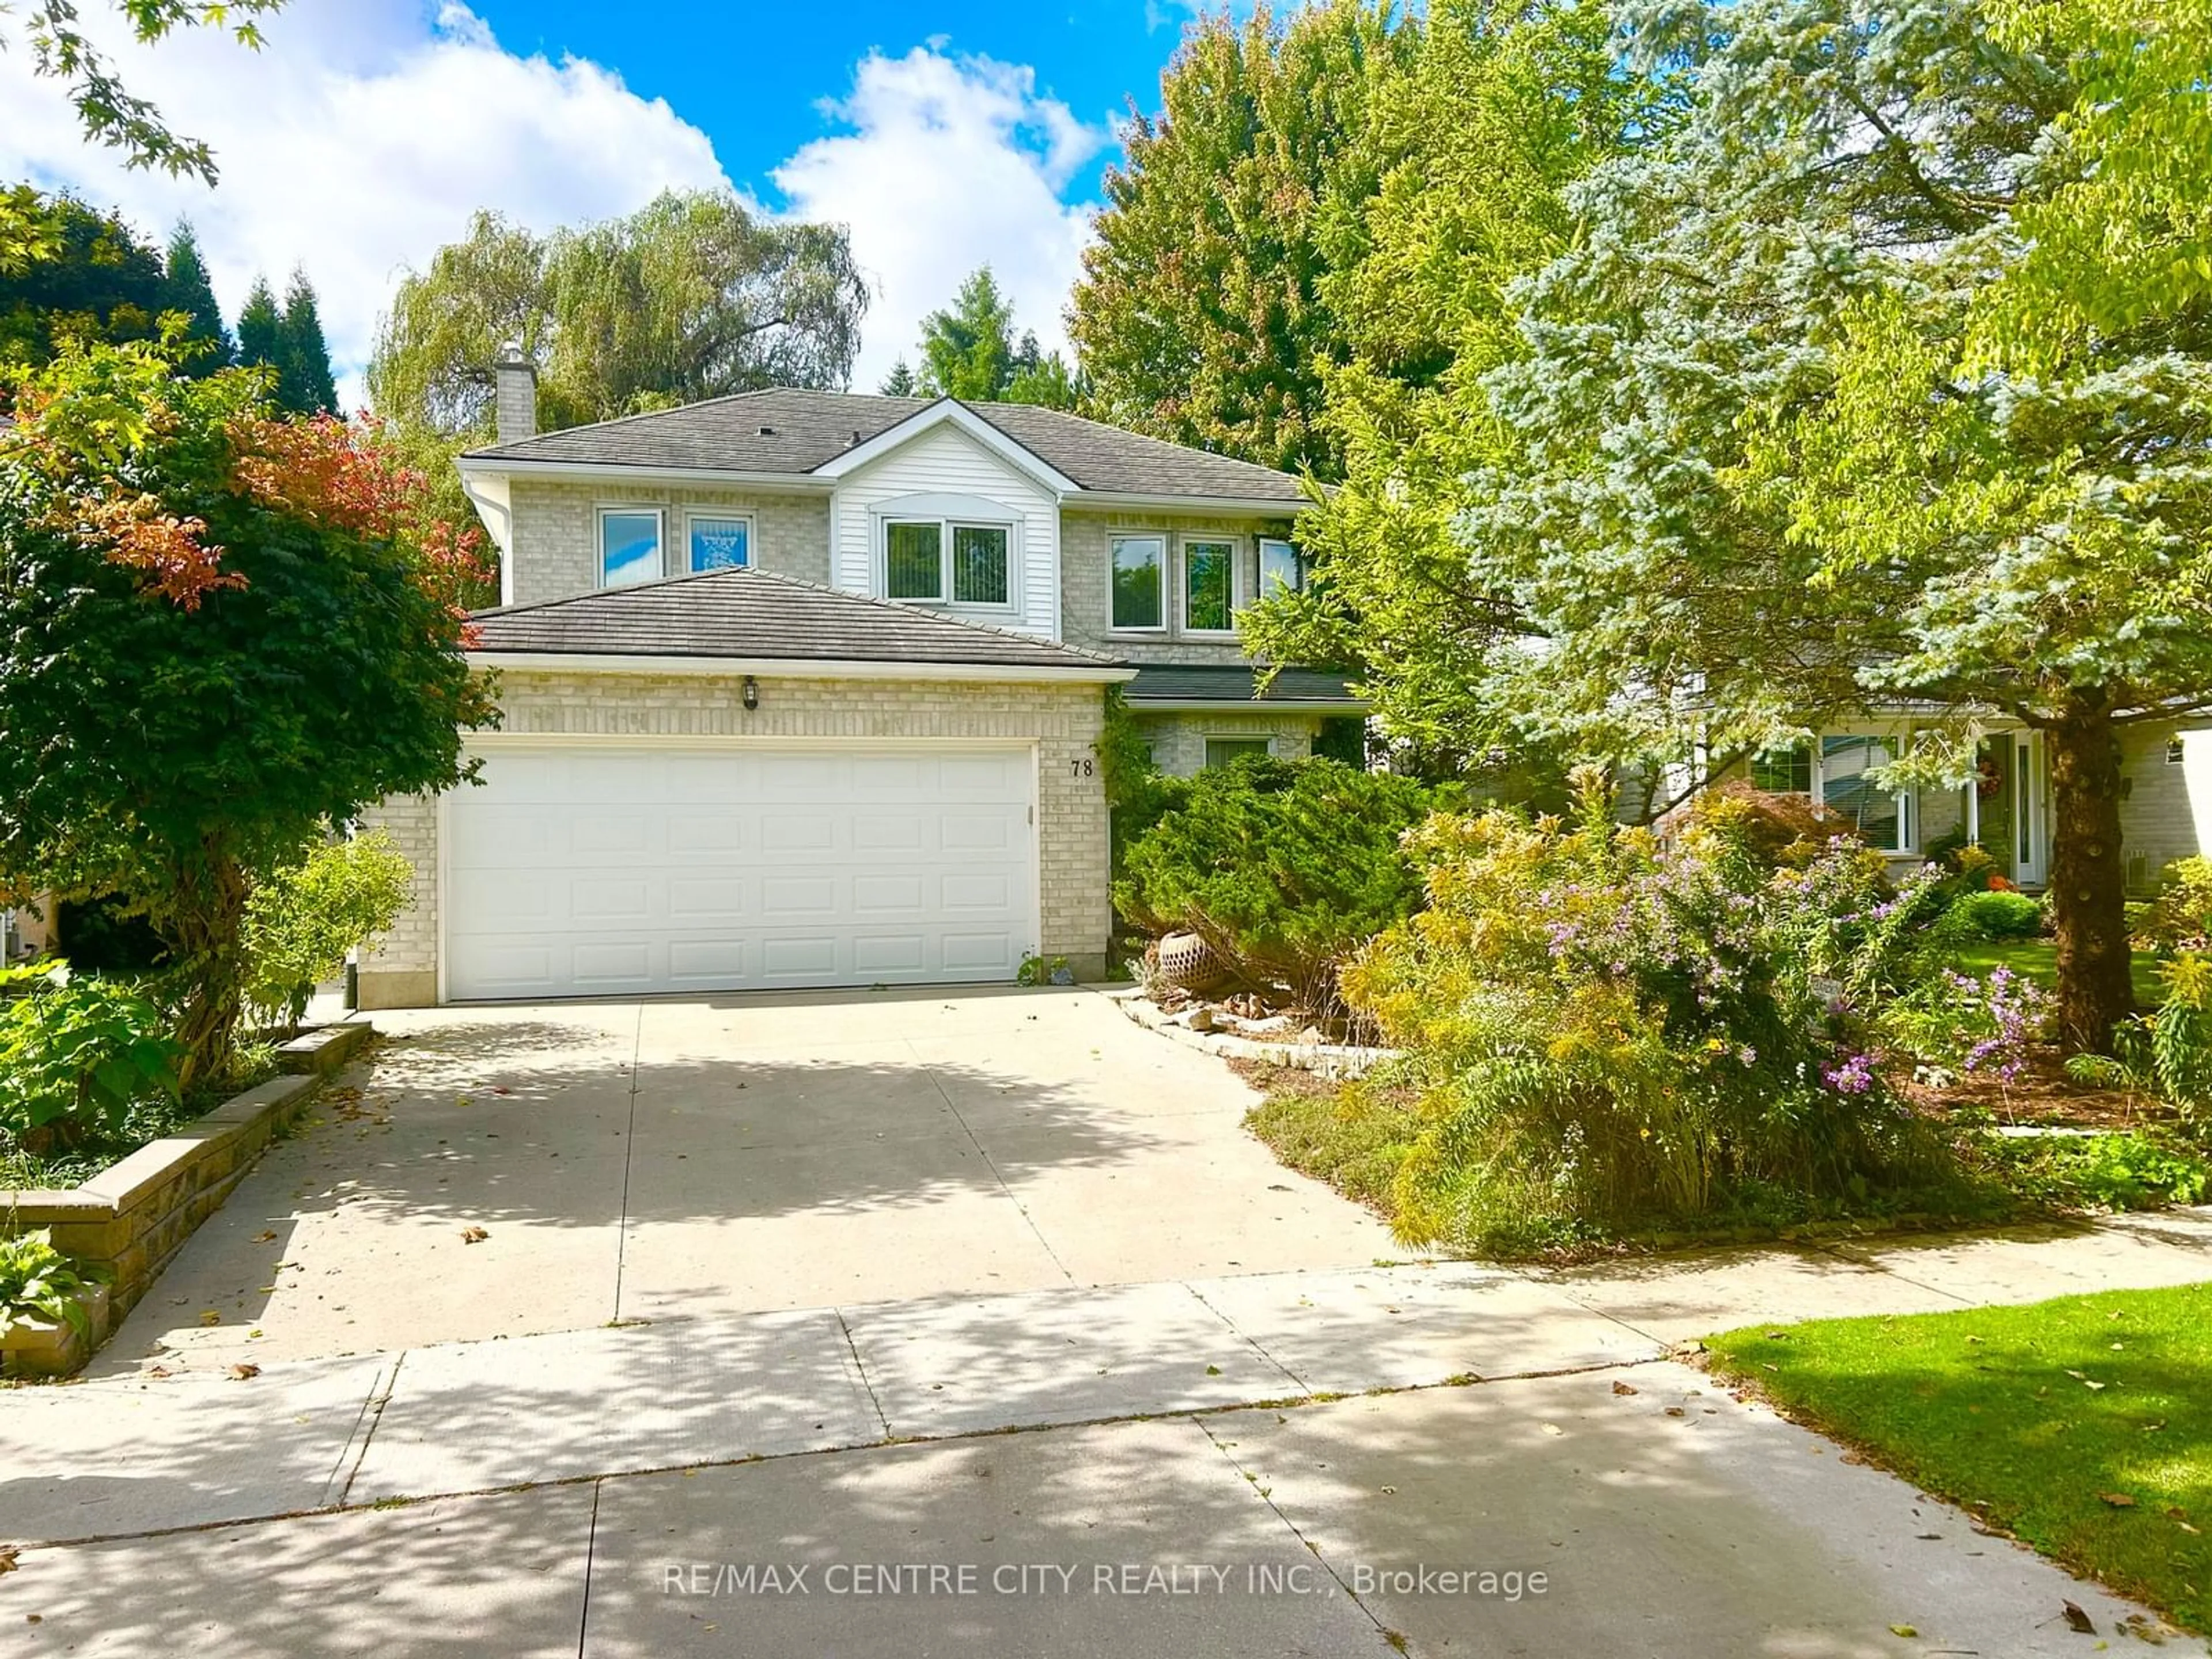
<point x="2031" y="830"/>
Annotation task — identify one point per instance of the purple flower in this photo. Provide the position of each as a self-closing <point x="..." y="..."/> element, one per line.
<point x="1854" y="1077"/>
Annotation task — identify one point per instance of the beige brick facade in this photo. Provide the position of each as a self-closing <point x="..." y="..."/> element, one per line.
<point x="1085" y="538"/>
<point x="1178" y="741"/>
<point x="1063" y="719"/>
<point x="556" y="531"/>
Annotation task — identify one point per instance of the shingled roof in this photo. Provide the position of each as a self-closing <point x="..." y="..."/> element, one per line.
<point x="757" y="614"/>
<point x="788" y="433"/>
<point x="1178" y="684"/>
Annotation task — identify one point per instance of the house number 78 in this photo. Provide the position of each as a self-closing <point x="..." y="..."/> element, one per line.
<point x="1081" y="767"/>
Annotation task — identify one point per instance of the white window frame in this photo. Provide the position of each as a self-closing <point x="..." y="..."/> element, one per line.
<point x="1908" y="800"/>
<point x="605" y="510"/>
<point x="1006" y="523"/>
<point x="1260" y="564"/>
<point x="1167" y="541"/>
<point x="752" y="536"/>
<point x="1237" y="597"/>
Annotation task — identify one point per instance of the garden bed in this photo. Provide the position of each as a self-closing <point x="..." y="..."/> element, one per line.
<point x="2081" y="1426"/>
<point x="127" y="1221"/>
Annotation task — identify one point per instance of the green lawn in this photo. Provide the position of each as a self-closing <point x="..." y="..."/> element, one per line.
<point x="2037" y="959"/>
<point x="2034" y="1418"/>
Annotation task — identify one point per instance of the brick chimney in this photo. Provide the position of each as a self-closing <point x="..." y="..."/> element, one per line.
<point x="514" y="381"/>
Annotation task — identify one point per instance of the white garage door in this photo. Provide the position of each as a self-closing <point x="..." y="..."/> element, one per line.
<point x="596" y="872"/>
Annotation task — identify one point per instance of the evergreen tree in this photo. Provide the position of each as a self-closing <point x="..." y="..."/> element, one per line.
<point x="260" y="329"/>
<point x="968" y="349"/>
<point x="304" y="383"/>
<point x="187" y="287"/>
<point x="94" y="279"/>
<point x="899" y="382"/>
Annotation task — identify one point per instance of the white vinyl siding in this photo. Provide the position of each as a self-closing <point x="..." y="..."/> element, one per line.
<point x="944" y="461"/>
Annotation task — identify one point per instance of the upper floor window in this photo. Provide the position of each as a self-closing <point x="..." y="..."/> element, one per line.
<point x="1280" y="567"/>
<point x="719" y="541"/>
<point x="630" y="545"/>
<point x="935" y="561"/>
<point x="1209" y="586"/>
<point x="1140" y="576"/>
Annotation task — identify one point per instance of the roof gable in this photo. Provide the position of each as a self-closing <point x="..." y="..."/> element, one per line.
<point x="947" y="412"/>
<point x="793" y="435"/>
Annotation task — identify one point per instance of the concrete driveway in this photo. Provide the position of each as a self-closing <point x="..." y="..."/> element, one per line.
<point x="649" y="1160"/>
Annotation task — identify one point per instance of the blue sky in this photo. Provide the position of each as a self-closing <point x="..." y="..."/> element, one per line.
<point x="364" y="136"/>
<point x="1092" y="57"/>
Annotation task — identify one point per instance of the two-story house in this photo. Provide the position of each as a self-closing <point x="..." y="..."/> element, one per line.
<point x="801" y="689"/>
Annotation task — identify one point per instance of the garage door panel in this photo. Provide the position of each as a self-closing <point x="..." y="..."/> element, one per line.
<point x="971" y="833"/>
<point x="979" y="889"/>
<point x="695" y="902"/>
<point x="710" y="962"/>
<point x="890" y="953"/>
<point x="875" y="895"/>
<point x="704" y="836"/>
<point x="980" y="952"/>
<point x="594" y="873"/>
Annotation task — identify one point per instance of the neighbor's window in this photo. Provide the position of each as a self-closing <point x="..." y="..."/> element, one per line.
<point x="1280" y="567"/>
<point x="1137" y="562"/>
<point x="1785" y="771"/>
<point x="630" y="547"/>
<point x="1209" y="586"/>
<point x="913" y="560"/>
<point x="2176" y="751"/>
<point x="1883" y="818"/>
<point x="1224" y="751"/>
<point x="979" y="564"/>
<point x="721" y="544"/>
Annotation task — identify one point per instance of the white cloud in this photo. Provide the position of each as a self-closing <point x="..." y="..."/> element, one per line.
<point x="358" y="142"/>
<point x="365" y="134"/>
<point x="951" y="163"/>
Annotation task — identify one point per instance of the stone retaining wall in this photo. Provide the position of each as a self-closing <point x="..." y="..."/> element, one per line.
<point x="133" y="1217"/>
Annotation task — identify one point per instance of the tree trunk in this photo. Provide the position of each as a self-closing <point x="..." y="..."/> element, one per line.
<point x="2088" y="883"/>
<point x="204" y="928"/>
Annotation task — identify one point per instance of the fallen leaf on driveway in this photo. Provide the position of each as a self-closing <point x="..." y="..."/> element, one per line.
<point x="263" y="1236"/>
<point x="2118" y="1500"/>
<point x="210" y="1316"/>
<point x="2076" y="1619"/>
<point x="1552" y="1428"/>
<point x="7" y="1553"/>
<point x="1903" y="1630"/>
<point x="1623" y="1387"/>
<point x="245" y="1372"/>
<point x="473" y="1235"/>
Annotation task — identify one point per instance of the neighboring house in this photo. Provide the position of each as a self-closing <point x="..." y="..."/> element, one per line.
<point x="2166" y="812"/>
<point x="801" y="689"/>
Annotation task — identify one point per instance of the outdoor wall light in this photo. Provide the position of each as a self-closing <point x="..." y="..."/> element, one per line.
<point x="752" y="692"/>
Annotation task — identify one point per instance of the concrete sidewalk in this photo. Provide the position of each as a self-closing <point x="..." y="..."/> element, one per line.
<point x="137" y="1454"/>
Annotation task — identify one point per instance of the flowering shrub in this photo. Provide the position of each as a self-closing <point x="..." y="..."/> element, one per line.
<point x="1605" y="1032"/>
<point x="2181" y="917"/>
<point x="2168" y="1054"/>
<point x="1955" y="1023"/>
